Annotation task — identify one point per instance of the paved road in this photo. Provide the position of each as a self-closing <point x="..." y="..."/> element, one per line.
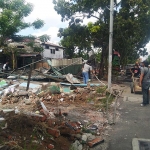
<point x="134" y="122"/>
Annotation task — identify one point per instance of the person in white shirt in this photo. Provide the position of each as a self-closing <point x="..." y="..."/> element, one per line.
<point x="5" y="66"/>
<point x="85" y="72"/>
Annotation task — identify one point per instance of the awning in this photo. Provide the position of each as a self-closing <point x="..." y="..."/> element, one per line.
<point x="28" y="55"/>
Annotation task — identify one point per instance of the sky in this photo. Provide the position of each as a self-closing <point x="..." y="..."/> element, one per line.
<point x="44" y="9"/>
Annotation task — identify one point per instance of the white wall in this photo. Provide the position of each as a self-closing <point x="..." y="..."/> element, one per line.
<point x="47" y="53"/>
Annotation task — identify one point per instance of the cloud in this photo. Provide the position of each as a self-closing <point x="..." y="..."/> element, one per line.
<point x="148" y="48"/>
<point x="52" y="31"/>
<point x="44" y="10"/>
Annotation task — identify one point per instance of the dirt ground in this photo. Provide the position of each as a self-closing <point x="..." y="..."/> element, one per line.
<point x="69" y="117"/>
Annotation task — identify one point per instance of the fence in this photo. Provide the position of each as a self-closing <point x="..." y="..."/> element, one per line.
<point x="66" y="62"/>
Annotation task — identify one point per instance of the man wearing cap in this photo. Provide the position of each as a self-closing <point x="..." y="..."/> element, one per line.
<point x="145" y="82"/>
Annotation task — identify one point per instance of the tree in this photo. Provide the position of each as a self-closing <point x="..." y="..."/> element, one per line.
<point x="131" y="25"/>
<point x="44" y="38"/>
<point x="75" y="39"/>
<point x="29" y="44"/>
<point x="148" y="59"/>
<point x="11" y="18"/>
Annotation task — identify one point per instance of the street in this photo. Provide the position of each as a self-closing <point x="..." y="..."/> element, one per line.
<point x="133" y="123"/>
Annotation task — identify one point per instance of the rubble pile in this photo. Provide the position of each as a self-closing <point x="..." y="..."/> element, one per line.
<point x="45" y="129"/>
<point x="49" y="117"/>
<point x="49" y="93"/>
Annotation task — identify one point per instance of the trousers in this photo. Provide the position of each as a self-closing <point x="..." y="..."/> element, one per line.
<point x="85" y="77"/>
<point x="145" y="92"/>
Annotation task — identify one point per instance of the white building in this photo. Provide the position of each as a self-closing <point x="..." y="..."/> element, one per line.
<point x="52" y="51"/>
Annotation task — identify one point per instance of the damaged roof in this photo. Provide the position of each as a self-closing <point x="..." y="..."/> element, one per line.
<point x="51" y="44"/>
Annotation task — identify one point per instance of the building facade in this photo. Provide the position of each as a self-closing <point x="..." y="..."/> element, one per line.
<point x="52" y="51"/>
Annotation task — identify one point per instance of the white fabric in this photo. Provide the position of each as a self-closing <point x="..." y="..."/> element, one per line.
<point x="4" y="67"/>
<point x="86" y="68"/>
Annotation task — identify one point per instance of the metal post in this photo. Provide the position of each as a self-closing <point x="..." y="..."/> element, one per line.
<point x="110" y="43"/>
<point x="29" y="78"/>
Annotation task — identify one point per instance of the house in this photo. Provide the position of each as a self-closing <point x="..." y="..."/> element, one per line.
<point x="52" y="51"/>
<point x="27" y="58"/>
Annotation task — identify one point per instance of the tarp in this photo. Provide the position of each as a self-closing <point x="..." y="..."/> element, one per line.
<point x="83" y="85"/>
<point x="33" y="86"/>
<point x="3" y="84"/>
<point x="72" y="79"/>
<point x="73" y="69"/>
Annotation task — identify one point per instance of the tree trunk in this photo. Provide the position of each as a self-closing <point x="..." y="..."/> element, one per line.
<point x="101" y="67"/>
<point x="13" y="60"/>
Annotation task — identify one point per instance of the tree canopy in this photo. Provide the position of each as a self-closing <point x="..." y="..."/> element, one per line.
<point x="12" y="13"/>
<point x="131" y="26"/>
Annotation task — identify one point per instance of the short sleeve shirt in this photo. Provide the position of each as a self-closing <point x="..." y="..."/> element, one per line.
<point x="86" y="68"/>
<point x="146" y="72"/>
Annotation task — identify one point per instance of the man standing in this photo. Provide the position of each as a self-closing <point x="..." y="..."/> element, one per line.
<point x="85" y="72"/>
<point x="145" y="82"/>
<point x="135" y="71"/>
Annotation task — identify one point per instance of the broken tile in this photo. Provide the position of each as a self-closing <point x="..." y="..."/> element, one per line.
<point x="96" y="141"/>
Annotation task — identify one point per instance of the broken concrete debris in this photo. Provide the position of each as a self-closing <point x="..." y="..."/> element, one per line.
<point x="51" y="116"/>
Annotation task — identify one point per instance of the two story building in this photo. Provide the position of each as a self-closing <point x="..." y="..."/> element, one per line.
<point x="52" y="51"/>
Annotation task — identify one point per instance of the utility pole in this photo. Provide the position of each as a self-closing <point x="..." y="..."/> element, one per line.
<point x="110" y="43"/>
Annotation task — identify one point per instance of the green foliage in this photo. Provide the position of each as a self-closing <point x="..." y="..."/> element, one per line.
<point x="98" y="56"/>
<point x="38" y="24"/>
<point x="148" y="59"/>
<point x="93" y="28"/>
<point x="35" y="48"/>
<point x="75" y="39"/>
<point x="131" y="26"/>
<point x="101" y="90"/>
<point x="11" y="18"/>
<point x="44" y="38"/>
<point x="104" y="101"/>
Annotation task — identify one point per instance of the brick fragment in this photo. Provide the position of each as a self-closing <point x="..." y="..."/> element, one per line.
<point x="50" y="146"/>
<point x="95" y="142"/>
<point x="53" y="132"/>
<point x="9" y="137"/>
<point x="36" y="118"/>
<point x="51" y="122"/>
<point x="43" y="118"/>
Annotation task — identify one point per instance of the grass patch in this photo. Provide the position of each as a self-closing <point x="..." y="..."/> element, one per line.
<point x="101" y="90"/>
<point x="102" y="103"/>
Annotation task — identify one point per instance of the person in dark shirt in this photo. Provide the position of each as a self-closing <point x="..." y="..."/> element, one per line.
<point x="135" y="71"/>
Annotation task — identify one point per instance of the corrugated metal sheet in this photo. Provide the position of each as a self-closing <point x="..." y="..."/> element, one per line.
<point x="66" y="62"/>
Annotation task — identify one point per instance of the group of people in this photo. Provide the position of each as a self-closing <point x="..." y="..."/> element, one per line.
<point x="143" y="72"/>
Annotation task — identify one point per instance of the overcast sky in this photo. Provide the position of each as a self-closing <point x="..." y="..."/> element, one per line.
<point x="44" y="9"/>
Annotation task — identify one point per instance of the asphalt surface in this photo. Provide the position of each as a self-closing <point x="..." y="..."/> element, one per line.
<point x="134" y="122"/>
